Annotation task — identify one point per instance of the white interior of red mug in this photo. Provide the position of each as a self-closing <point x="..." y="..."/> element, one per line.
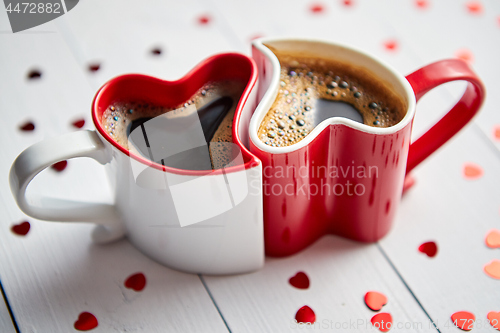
<point x="324" y="49"/>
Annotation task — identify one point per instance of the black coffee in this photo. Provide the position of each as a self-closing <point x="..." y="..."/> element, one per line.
<point x="211" y="116"/>
<point x="314" y="89"/>
<point x="215" y="103"/>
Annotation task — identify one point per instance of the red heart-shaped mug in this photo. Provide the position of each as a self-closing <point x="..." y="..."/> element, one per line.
<point x="315" y="186"/>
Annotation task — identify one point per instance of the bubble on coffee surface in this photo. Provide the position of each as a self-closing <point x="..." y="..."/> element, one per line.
<point x="118" y="117"/>
<point x="305" y="81"/>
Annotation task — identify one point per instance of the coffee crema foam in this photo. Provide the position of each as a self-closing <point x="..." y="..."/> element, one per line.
<point x="305" y="80"/>
<point x="118" y="117"/>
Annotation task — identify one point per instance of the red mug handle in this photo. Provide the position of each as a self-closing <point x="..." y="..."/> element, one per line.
<point x="429" y="77"/>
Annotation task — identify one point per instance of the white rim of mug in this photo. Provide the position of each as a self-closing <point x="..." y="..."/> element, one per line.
<point x="270" y="95"/>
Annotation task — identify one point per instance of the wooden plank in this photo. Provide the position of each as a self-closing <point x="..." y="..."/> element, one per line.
<point x="54" y="273"/>
<point x="123" y="34"/>
<point x="340" y="273"/>
<point x="6" y="324"/>
<point x="443" y="206"/>
<point x="447" y="29"/>
<point x="456" y="213"/>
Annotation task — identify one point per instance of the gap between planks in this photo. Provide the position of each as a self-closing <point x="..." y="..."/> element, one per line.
<point x="9" y="309"/>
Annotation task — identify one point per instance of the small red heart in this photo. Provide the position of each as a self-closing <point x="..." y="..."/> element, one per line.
<point x="496" y="133"/>
<point x="94" y="67"/>
<point x="472" y="171"/>
<point x="28" y="126"/>
<point x="34" y="74"/>
<point x="382" y="321"/>
<point x="300" y="280"/>
<point x="492" y="269"/>
<point x="60" y="166"/>
<point x="493" y="239"/>
<point x="463" y="320"/>
<point x="465" y="55"/>
<point x="494" y="319"/>
<point x="375" y="300"/>
<point x="305" y="315"/>
<point x="86" y="321"/>
<point x="204" y="19"/>
<point x="21" y="229"/>
<point x="136" y="282"/>
<point x="317" y="8"/>
<point x="429" y="248"/>
<point x="255" y="36"/>
<point x="78" y="123"/>
<point x="474" y="7"/>
<point x="422" y="3"/>
<point x="408" y="183"/>
<point x="348" y="2"/>
<point x="156" y="51"/>
<point x="391" y="45"/>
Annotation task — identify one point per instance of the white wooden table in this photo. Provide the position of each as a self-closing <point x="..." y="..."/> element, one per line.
<point x="54" y="273"/>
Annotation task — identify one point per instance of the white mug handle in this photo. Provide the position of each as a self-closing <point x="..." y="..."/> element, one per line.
<point x="42" y="155"/>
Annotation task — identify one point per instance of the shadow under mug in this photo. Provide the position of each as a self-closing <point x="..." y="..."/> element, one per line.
<point x="303" y="197"/>
<point x="198" y="221"/>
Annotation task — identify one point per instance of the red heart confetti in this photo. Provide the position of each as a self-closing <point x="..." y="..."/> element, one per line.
<point x="466" y="55"/>
<point x="60" y="166"/>
<point x="408" y="183"/>
<point x="493" y="239"/>
<point x="494" y="319"/>
<point x="34" y="74"/>
<point x="382" y="321"/>
<point x="492" y="269"/>
<point x="463" y="320"/>
<point x="375" y="300"/>
<point x="347" y="2"/>
<point x="472" y="171"/>
<point x="422" y="4"/>
<point x="78" y="123"/>
<point x="305" y="315"/>
<point x="255" y="36"/>
<point x="317" y="8"/>
<point x="496" y="132"/>
<point x="156" y="51"/>
<point x="86" y="322"/>
<point x="204" y="19"/>
<point x="474" y="7"/>
<point x="28" y="126"/>
<point x="300" y="280"/>
<point x="136" y="282"/>
<point x="21" y="229"/>
<point x="429" y="248"/>
<point x="94" y="67"/>
<point x="391" y="45"/>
